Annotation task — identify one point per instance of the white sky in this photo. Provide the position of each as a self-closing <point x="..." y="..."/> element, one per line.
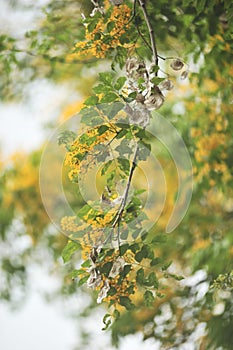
<point x="22" y="123"/>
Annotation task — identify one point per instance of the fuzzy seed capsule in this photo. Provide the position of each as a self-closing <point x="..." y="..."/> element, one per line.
<point x="177" y="64"/>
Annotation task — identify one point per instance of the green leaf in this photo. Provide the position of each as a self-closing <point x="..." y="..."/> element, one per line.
<point x="151" y="280"/>
<point x="123" y="125"/>
<point x="67" y="138"/>
<point x="124" y="39"/>
<point x="84" y="210"/>
<point x="70" y="248"/>
<point x="86" y="263"/>
<point x="137" y="192"/>
<point x="166" y="266"/>
<point x="160" y="295"/>
<point x="91" y="101"/>
<point x="83" y="280"/>
<point x="112" y="291"/>
<point x="140" y="278"/>
<point x="177" y="278"/>
<point x="90" y="117"/>
<point x="200" y="5"/>
<point x="130" y="289"/>
<point x="110" y="26"/>
<point x="101" y="88"/>
<point x="116" y="314"/>
<point x="106" y="78"/>
<point x="126" y="302"/>
<point x="144" y="150"/>
<point x="109" y="97"/>
<point x="97" y="36"/>
<point x="123" y="147"/>
<point x="124" y="165"/>
<point x="141" y="254"/>
<point x="106" y="166"/>
<point x="111" y="110"/>
<point x="127" y="269"/>
<point x="131" y="97"/>
<point x="157" y="80"/>
<point x="134" y="247"/>
<point x="123" y="248"/>
<point x="155" y="261"/>
<point x="120" y="83"/>
<point x="121" y="133"/>
<point x="76" y="273"/>
<point x="94" y="21"/>
<point x="106" y="268"/>
<point x="107" y="321"/>
<point x="136" y="233"/>
<point x="86" y="139"/>
<point x="102" y="129"/>
<point x="124" y="235"/>
<point x="159" y="239"/>
<point x="148" y="298"/>
<point x="141" y="134"/>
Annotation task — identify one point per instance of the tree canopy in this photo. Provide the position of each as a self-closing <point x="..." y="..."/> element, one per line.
<point x="152" y="127"/>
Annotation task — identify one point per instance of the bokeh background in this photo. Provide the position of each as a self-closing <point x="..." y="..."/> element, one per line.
<point x="41" y="86"/>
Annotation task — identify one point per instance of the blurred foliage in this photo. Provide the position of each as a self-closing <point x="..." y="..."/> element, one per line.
<point x="199" y="309"/>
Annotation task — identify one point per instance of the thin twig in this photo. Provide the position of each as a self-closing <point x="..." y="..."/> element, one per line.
<point x="125" y="197"/>
<point x="143" y="38"/>
<point x="147" y="44"/>
<point x="134" y="8"/>
<point x="151" y="32"/>
<point x="121" y="209"/>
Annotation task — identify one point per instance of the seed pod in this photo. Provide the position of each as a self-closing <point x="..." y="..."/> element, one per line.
<point x="166" y="85"/>
<point x="139" y="115"/>
<point x="177" y="64"/>
<point x="117" y="267"/>
<point x="103" y="292"/>
<point x="140" y="98"/>
<point x="155" y="100"/>
<point x="141" y="70"/>
<point x="132" y="64"/>
<point x="184" y="74"/>
<point x="94" y="279"/>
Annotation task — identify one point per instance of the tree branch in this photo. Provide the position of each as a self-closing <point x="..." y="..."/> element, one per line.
<point x="125" y="196"/>
<point x="151" y="32"/>
<point x="121" y="209"/>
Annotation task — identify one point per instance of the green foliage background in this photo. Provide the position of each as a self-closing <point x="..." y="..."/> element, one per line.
<point x="201" y="33"/>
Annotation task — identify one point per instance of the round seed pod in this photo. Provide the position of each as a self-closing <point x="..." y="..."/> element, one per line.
<point x="177" y="64"/>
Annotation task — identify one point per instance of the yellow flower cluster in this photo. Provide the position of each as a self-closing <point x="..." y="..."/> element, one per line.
<point x="205" y="146"/>
<point x="80" y="149"/>
<point x="102" y="219"/>
<point x="94" y="44"/>
<point x="207" y="143"/>
<point x="68" y="224"/>
<point x="120" y="288"/>
<point x="129" y="256"/>
<point x="21" y="185"/>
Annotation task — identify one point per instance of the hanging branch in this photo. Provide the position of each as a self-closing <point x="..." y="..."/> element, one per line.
<point x="125" y="196"/>
<point x="121" y="209"/>
<point x="151" y="32"/>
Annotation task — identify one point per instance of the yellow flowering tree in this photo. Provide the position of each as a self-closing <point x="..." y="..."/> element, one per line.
<point x="118" y="244"/>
